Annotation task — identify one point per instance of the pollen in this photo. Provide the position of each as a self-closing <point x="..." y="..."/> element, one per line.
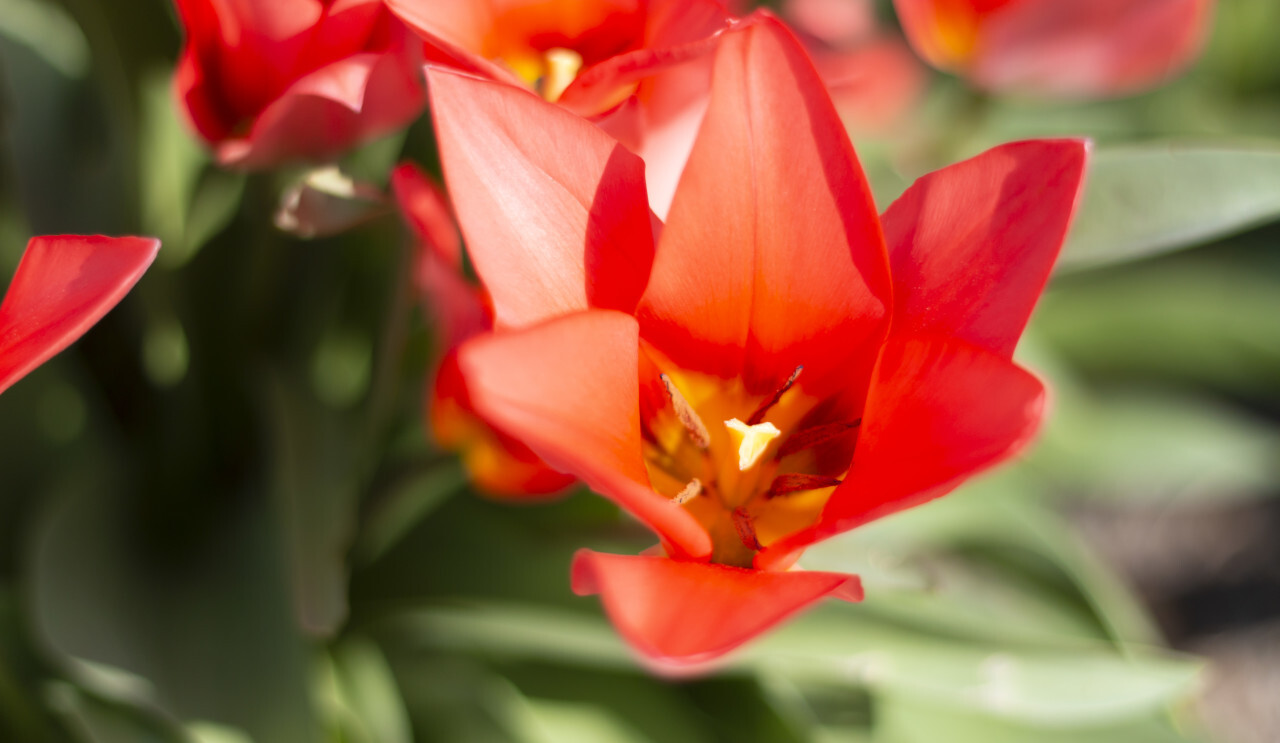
<point x="562" y="67"/>
<point x="752" y="440"/>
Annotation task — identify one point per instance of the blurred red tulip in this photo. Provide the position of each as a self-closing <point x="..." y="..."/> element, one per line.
<point x="714" y="375"/>
<point x="268" y="81"/>
<point x="1059" y="48"/>
<point x="872" y="76"/>
<point x="497" y="463"/>
<point x="639" y="68"/>
<point x="63" y="286"/>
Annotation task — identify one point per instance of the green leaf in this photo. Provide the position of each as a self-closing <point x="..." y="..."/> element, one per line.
<point x="1190" y="320"/>
<point x="839" y="644"/>
<point x="996" y="512"/>
<point x="361" y="697"/>
<point x="1150" y="199"/>
<point x="1164" y="447"/>
<point x="546" y="721"/>
<point x="49" y="31"/>
<point x="1081" y="686"/>
<point x="316" y="489"/>
<point x="210" y="631"/>
<point x="404" y="504"/>
<point x="185" y="202"/>
<point x="903" y="720"/>
<point x="98" y="720"/>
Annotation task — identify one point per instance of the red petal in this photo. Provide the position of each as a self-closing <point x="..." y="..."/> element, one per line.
<point x="553" y="210"/>
<point x="938" y="412"/>
<point x="426" y="209"/>
<point x="972" y="244"/>
<point x="874" y="84"/>
<point x="331" y="110"/>
<point x="463" y="23"/>
<point x="62" y="287"/>
<point x="835" y="22"/>
<point x="681" y="613"/>
<point x="569" y="390"/>
<point x="676" y="31"/>
<point x="498" y="464"/>
<point x="202" y="107"/>
<point x="772" y="255"/>
<point x="1090" y="48"/>
<point x="946" y="32"/>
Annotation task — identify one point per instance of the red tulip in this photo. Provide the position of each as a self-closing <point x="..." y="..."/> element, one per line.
<point x="872" y="76"/>
<point x="774" y="365"/>
<point x="266" y="81"/>
<point x="497" y="463"/>
<point x="63" y="286"/>
<point x="1081" y="48"/>
<point x="640" y="68"/>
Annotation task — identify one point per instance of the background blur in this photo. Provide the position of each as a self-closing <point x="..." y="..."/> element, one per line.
<point x="221" y="521"/>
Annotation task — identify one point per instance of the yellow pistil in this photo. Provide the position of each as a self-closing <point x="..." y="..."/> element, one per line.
<point x="562" y="67"/>
<point x="751" y="440"/>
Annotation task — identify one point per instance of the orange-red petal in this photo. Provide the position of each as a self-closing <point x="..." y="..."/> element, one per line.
<point x="972" y="244"/>
<point x="553" y="210"/>
<point x="1090" y="48"/>
<point x="568" y="388"/>
<point x="938" y="411"/>
<point x="358" y="98"/>
<point x="1083" y="48"/>
<point x="498" y="464"/>
<point x="772" y="255"/>
<point x="679" y="613"/>
<point x="426" y="209"/>
<point x="64" y="285"/>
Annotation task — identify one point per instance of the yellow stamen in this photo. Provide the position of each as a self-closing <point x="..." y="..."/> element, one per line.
<point x="562" y="68"/>
<point x="751" y="440"/>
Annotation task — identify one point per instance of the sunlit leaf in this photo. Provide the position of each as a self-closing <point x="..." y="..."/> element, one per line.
<point x="546" y="721"/>
<point x="1147" y="199"/>
<point x="838" y="644"/>
<point x="903" y="720"/>
<point x="1161" y="447"/>
<point x="362" y="696"/>
<point x="1193" y="320"/>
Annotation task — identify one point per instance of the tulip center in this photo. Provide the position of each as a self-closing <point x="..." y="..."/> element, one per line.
<point x="549" y="73"/>
<point x="751" y="468"/>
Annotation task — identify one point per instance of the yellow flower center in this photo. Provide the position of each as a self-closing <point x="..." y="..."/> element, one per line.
<point x="749" y="481"/>
<point x="548" y="73"/>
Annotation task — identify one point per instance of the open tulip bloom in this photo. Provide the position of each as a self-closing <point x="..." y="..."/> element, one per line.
<point x="268" y="81"/>
<point x="1067" y="48"/>
<point x="776" y="364"/>
<point x="62" y="287"/>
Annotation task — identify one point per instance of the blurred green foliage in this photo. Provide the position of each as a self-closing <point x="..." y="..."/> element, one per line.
<point x="220" y="521"/>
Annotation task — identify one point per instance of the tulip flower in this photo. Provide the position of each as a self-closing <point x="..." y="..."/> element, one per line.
<point x="1051" y="48"/>
<point x="637" y="67"/>
<point x="64" y="285"/>
<point x="498" y="464"/>
<point x="774" y="365"/>
<point x="268" y="81"/>
<point x="871" y="74"/>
